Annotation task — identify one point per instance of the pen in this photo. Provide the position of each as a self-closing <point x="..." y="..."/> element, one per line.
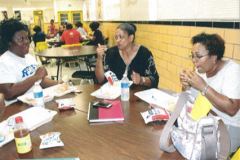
<point x="154" y="98"/>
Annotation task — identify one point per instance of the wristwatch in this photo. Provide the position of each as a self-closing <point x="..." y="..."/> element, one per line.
<point x="143" y="80"/>
<point x="204" y="91"/>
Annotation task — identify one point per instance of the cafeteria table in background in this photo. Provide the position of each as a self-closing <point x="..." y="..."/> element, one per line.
<point x="130" y="139"/>
<point x="66" y="53"/>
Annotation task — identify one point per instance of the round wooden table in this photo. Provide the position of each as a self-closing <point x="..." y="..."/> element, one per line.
<point x="131" y="139"/>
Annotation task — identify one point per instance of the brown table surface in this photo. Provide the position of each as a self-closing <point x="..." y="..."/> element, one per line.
<point x="132" y="139"/>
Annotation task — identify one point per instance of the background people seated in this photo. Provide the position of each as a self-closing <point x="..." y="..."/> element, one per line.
<point x="64" y="26"/>
<point x="71" y="36"/>
<point x="96" y="37"/>
<point x="40" y="36"/>
<point x="217" y="79"/>
<point x="80" y="29"/>
<point x="61" y="30"/>
<point x="141" y="70"/>
<point x="18" y="69"/>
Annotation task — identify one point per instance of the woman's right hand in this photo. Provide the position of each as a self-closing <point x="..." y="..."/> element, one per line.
<point x="101" y="51"/>
<point x="184" y="79"/>
<point x="41" y="72"/>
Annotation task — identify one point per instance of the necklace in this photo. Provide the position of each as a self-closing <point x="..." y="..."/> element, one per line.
<point x="215" y="69"/>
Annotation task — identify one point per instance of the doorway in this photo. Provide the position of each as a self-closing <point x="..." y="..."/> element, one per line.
<point x="38" y="19"/>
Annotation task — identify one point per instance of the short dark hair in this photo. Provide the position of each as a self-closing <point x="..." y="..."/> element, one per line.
<point x="7" y="30"/>
<point x="212" y="42"/>
<point x="69" y="26"/>
<point x="94" y="26"/>
<point x="37" y="29"/>
<point x="78" y="24"/>
<point x="129" y="28"/>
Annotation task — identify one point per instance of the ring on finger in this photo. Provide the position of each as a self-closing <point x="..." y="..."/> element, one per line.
<point x="189" y="80"/>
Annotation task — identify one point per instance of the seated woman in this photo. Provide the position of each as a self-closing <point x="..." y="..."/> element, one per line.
<point x="60" y="31"/>
<point x="40" y="36"/>
<point x="18" y="69"/>
<point x="140" y="60"/>
<point x="2" y="103"/>
<point x="217" y="79"/>
<point x="96" y="37"/>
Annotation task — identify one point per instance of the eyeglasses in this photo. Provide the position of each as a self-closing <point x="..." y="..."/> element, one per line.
<point x="197" y="57"/>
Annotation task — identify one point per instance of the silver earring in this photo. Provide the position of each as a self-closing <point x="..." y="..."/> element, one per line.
<point x="214" y="62"/>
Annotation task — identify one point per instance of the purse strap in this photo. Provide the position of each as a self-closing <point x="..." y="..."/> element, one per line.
<point x="165" y="136"/>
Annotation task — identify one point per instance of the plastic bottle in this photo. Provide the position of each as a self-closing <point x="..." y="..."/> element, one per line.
<point x="38" y="95"/>
<point x="58" y="37"/>
<point x="22" y="136"/>
<point x="125" y="88"/>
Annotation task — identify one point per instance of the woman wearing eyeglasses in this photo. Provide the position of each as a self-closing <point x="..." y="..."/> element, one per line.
<point x="217" y="79"/>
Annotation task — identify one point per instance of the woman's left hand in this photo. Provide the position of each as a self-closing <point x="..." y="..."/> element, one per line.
<point x="136" y="78"/>
<point x="196" y="81"/>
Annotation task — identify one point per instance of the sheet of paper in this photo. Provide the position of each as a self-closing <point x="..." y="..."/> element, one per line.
<point x="158" y="97"/>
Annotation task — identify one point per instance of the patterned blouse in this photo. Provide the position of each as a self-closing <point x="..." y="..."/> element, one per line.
<point x="142" y="63"/>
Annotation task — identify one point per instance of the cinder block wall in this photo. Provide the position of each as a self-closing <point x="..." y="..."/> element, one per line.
<point x="170" y="46"/>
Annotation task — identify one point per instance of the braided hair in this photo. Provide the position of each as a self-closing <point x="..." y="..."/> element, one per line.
<point x="7" y="30"/>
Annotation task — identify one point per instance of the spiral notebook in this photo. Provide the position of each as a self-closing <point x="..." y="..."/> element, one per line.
<point x="98" y="114"/>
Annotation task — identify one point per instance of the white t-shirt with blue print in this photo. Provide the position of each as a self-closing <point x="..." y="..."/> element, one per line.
<point x="14" y="69"/>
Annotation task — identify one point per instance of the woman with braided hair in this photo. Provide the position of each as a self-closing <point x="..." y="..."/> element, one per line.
<point x="18" y="69"/>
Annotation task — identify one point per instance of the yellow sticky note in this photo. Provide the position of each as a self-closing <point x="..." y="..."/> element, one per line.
<point x="200" y="108"/>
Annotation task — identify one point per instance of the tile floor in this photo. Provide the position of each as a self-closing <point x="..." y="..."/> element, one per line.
<point x="52" y="68"/>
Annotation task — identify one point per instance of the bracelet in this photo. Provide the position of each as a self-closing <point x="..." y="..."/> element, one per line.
<point x="204" y="91"/>
<point x="143" y="80"/>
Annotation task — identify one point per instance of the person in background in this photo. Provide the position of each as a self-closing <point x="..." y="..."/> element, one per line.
<point x="80" y="29"/>
<point x="141" y="69"/>
<point x="85" y="29"/>
<point x="40" y="36"/>
<point x="64" y="26"/>
<point x="52" y="26"/>
<point x="71" y="36"/>
<point x="97" y="37"/>
<point x="61" y="30"/>
<point x="2" y="103"/>
<point x="18" y="69"/>
<point x="217" y="79"/>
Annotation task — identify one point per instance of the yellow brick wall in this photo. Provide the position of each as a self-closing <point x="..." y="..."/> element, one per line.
<point x="170" y="46"/>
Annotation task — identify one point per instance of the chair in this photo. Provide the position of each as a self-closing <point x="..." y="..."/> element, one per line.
<point x="41" y="46"/>
<point x="88" y="74"/>
<point x="84" y="75"/>
<point x="71" y="60"/>
<point x="67" y="45"/>
<point x="79" y="44"/>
